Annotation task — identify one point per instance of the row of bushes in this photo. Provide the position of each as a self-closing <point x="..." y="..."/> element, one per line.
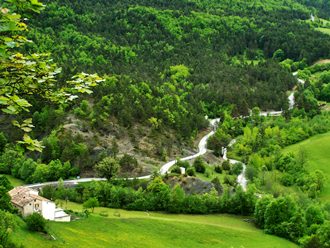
<point x="15" y="163"/>
<point x="157" y="196"/>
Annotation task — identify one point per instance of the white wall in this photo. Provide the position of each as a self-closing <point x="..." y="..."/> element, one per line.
<point x="28" y="209"/>
<point x="48" y="210"/>
<point x="66" y="218"/>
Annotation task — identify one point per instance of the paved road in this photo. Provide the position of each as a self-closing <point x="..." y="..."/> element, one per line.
<point x="291" y="97"/>
<point x="241" y="179"/>
<point x="202" y="149"/>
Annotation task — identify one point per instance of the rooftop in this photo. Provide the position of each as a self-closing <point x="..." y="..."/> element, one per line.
<point x="21" y="196"/>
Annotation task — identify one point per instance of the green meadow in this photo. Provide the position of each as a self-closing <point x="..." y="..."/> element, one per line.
<point x="318" y="152"/>
<point x="14" y="181"/>
<point x="120" y="228"/>
<point x="324" y="30"/>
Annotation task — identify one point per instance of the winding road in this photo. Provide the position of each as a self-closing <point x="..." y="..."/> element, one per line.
<point x="202" y="149"/>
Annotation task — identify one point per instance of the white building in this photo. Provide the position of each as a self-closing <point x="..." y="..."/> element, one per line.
<point x="28" y="201"/>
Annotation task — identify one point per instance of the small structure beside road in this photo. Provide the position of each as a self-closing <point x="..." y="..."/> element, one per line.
<point x="28" y="201"/>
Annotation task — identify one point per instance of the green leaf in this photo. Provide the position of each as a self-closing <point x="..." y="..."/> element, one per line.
<point x="16" y="123"/>
<point x="12" y="110"/>
<point x="4" y="100"/>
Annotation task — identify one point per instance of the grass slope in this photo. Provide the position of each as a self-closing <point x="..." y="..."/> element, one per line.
<point x="318" y="149"/>
<point x="14" y="181"/>
<point x="140" y="229"/>
<point x="324" y="30"/>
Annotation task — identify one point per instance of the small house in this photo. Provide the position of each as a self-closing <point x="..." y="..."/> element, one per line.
<point x="28" y="201"/>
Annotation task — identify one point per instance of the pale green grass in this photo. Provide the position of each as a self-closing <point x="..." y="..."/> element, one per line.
<point x="327" y="107"/>
<point x="154" y="230"/>
<point x="324" y="30"/>
<point x="14" y="181"/>
<point x="318" y="150"/>
<point x="209" y="174"/>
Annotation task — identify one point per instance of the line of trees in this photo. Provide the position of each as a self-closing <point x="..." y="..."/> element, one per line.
<point x="156" y="195"/>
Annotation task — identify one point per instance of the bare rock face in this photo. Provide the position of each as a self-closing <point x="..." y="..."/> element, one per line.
<point x="191" y="185"/>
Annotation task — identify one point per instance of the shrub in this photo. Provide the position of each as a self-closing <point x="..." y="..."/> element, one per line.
<point x="251" y="173"/>
<point x="199" y="165"/>
<point x="7" y="224"/>
<point x="4" y="182"/>
<point x="226" y="165"/>
<point x="191" y="171"/>
<point x="91" y="203"/>
<point x="184" y="164"/>
<point x="3" y="141"/>
<point x="8" y="159"/>
<point x="207" y="173"/>
<point x="36" y="223"/>
<point x="217" y="185"/>
<point x="229" y="180"/>
<point x="176" y="169"/>
<point x="128" y="163"/>
<point x="108" y="168"/>
<point x="237" y="168"/>
<point x="218" y="169"/>
<point x="104" y="214"/>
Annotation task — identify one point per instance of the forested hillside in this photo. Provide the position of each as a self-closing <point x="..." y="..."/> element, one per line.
<point x="166" y="65"/>
<point x="224" y="44"/>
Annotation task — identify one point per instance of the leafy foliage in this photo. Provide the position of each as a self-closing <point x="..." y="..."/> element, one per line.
<point x="25" y="75"/>
<point x="91" y="203"/>
<point x="36" y="223"/>
<point x="107" y="168"/>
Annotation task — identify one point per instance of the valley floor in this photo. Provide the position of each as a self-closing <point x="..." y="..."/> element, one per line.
<point x="120" y="228"/>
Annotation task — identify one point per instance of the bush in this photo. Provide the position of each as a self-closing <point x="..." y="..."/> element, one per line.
<point x="176" y="169"/>
<point x="207" y="173"/>
<point x="8" y="159"/>
<point x="184" y="164"/>
<point x="4" y="182"/>
<point x="217" y="185"/>
<point x="128" y="163"/>
<point x="251" y="173"/>
<point x="91" y="203"/>
<point x="3" y="141"/>
<point x="7" y="225"/>
<point x="191" y="171"/>
<point x="237" y="168"/>
<point x="36" y="223"/>
<point x="108" y="167"/>
<point x="229" y="180"/>
<point x="199" y="165"/>
<point x="218" y="169"/>
<point x="226" y="165"/>
<point x="287" y="179"/>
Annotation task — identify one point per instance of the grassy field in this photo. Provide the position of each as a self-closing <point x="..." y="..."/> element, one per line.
<point x="324" y="30"/>
<point x="14" y="181"/>
<point x="141" y="229"/>
<point x="318" y="150"/>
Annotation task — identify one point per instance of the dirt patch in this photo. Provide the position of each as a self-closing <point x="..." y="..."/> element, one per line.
<point x="191" y="185"/>
<point x="322" y="61"/>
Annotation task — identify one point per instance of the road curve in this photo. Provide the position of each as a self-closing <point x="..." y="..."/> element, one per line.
<point x="202" y="149"/>
<point x="241" y="179"/>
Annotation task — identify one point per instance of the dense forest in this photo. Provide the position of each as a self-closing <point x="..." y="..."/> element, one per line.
<point x="168" y="64"/>
<point x="225" y="45"/>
